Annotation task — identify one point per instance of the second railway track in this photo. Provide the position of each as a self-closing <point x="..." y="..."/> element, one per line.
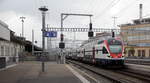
<point x="115" y="76"/>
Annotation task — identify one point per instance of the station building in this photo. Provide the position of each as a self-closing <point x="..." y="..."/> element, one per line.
<point x="136" y="37"/>
<point x="11" y="46"/>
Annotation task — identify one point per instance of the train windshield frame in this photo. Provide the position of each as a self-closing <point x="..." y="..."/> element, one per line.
<point x="114" y="42"/>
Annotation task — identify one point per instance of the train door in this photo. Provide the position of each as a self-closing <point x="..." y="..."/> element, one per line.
<point x="105" y="52"/>
<point x="98" y="51"/>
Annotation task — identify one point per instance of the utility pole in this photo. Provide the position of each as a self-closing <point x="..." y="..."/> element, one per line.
<point x="113" y="33"/>
<point x="43" y="10"/>
<point x="74" y="39"/>
<point x="114" y="18"/>
<point x="22" y="20"/>
<point x="32" y="42"/>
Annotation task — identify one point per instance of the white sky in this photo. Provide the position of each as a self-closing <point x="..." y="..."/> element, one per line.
<point x="103" y="11"/>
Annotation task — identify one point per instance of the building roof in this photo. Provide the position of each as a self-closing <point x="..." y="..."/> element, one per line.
<point x="3" y="39"/>
<point x="4" y="24"/>
<point x="102" y="34"/>
<point x="16" y="39"/>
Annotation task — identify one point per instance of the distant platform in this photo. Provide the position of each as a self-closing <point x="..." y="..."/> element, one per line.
<point x="138" y="61"/>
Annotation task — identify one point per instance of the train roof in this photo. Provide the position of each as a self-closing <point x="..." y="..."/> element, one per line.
<point x="99" y="36"/>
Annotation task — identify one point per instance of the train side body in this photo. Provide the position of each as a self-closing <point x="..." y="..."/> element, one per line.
<point x="103" y="50"/>
<point x="100" y="52"/>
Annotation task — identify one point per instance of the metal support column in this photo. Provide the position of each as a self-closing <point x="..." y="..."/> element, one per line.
<point x="62" y="56"/>
<point x="43" y="9"/>
<point x="32" y="42"/>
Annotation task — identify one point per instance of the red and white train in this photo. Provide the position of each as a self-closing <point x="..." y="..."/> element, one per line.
<point x="103" y="50"/>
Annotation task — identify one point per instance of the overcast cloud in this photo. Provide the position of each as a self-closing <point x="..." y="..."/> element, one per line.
<point x="103" y="11"/>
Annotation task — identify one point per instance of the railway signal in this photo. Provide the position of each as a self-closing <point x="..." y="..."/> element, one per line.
<point x="113" y="33"/>
<point x="62" y="44"/>
<point x="90" y="33"/>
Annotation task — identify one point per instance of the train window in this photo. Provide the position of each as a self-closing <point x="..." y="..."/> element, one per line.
<point x="104" y="50"/>
<point x="115" y="48"/>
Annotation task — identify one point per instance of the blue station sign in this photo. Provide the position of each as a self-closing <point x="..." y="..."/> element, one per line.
<point x="50" y="34"/>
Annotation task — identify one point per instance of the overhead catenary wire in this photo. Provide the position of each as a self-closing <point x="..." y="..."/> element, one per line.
<point x="111" y="5"/>
<point x="44" y="2"/>
<point x="121" y="12"/>
<point x="91" y="6"/>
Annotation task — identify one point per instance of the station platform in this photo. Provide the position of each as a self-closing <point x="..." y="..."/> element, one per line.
<point x="30" y="72"/>
<point x="138" y="59"/>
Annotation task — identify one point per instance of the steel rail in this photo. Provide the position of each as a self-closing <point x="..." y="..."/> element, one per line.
<point x="113" y="78"/>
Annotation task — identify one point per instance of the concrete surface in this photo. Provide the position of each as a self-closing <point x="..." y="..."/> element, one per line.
<point x="30" y="72"/>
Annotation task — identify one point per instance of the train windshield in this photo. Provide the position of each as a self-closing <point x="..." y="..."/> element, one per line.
<point x="115" y="48"/>
<point x="115" y="45"/>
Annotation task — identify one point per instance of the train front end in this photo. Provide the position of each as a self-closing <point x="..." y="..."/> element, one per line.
<point x="116" y="52"/>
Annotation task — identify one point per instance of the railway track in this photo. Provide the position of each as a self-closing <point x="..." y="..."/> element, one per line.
<point x="136" y="74"/>
<point x="116" y="76"/>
